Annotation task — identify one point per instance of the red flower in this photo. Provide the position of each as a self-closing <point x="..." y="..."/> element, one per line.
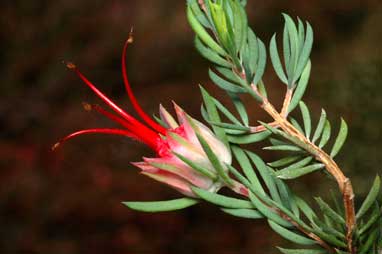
<point x="174" y="144"/>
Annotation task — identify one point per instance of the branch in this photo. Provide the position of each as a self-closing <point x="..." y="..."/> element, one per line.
<point x="330" y="165"/>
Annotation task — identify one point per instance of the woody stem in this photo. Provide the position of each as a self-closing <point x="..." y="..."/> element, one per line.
<point x="343" y="182"/>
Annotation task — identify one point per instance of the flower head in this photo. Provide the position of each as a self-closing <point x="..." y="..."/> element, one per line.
<point x="180" y="160"/>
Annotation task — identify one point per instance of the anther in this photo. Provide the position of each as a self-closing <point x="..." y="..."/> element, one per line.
<point x="87" y="106"/>
<point x="55" y="146"/>
<point x="70" y="65"/>
<point x="131" y="38"/>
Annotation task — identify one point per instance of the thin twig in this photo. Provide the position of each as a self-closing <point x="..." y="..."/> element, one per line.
<point x="286" y="103"/>
<point x="330" y="165"/>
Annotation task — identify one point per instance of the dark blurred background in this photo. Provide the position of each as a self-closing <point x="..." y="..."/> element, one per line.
<point x="69" y="201"/>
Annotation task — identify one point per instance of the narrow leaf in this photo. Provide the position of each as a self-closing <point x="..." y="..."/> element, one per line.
<point x="327" y="210"/>
<point x="224" y="84"/>
<point x="325" y="134"/>
<point x="243" y="213"/>
<point x="259" y="72"/>
<point x="371" y="197"/>
<point x="284" y="161"/>
<point x="161" y="206"/>
<point x="300" y="251"/>
<point x="202" y="33"/>
<point x="221" y="200"/>
<point x="225" y="111"/>
<point x="196" y="167"/>
<point x="305" y="52"/>
<point x="275" y="58"/>
<point x="249" y="138"/>
<point x="306" y="118"/>
<point x="240" y="108"/>
<point x="293" y="173"/>
<point x="290" y="235"/>
<point x="320" y="126"/>
<point x="210" y="55"/>
<point x="340" y="140"/>
<point x="301" y="87"/>
<point x="267" y="212"/>
<point x="266" y="175"/>
<point x="283" y="148"/>
<point x="247" y="168"/>
<point x="213" y="115"/>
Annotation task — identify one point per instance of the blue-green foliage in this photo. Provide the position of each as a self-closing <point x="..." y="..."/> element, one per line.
<point x="239" y="60"/>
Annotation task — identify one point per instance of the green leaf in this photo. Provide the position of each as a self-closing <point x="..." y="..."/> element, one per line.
<point x="211" y="55"/>
<point x="226" y="112"/>
<point x="232" y="126"/>
<point x="262" y="89"/>
<point x="329" y="230"/>
<point x="283" y="148"/>
<point x="197" y="167"/>
<point x="212" y="157"/>
<point x="301" y="33"/>
<point x="229" y="75"/>
<point x="221" y="200"/>
<point x="240" y="108"/>
<point x="320" y="126"/>
<point x="266" y="175"/>
<point x="301" y="87"/>
<point x="243" y="3"/>
<point x="240" y="24"/>
<point x="243" y="213"/>
<point x="286" y="45"/>
<point x="290" y="235"/>
<point x="223" y="26"/>
<point x="305" y="208"/>
<point x="325" y="134"/>
<point x="284" y="193"/>
<point x="249" y="138"/>
<point x="213" y="115"/>
<point x="293" y="173"/>
<point x="293" y="38"/>
<point x="199" y="13"/>
<point x="276" y="142"/>
<point x="341" y="138"/>
<point x="301" y="145"/>
<point x="250" y="55"/>
<point x="296" y="124"/>
<point x="306" y="118"/>
<point x="262" y="61"/>
<point x="365" y="248"/>
<point x="275" y="58"/>
<point x="305" y="52"/>
<point x="247" y="168"/>
<point x="329" y="238"/>
<point x="300" y="251"/>
<point x="371" y="197"/>
<point x="224" y="84"/>
<point x="371" y="221"/>
<point x="284" y="161"/>
<point x="299" y="164"/>
<point x="161" y="206"/>
<point x="239" y="176"/>
<point x="327" y="210"/>
<point x="267" y="212"/>
<point x="287" y="197"/>
<point x="202" y="33"/>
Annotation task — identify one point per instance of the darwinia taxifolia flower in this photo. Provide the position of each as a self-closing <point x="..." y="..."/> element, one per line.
<point x="176" y="145"/>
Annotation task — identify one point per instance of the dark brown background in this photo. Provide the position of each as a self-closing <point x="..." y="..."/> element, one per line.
<point x="69" y="201"/>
